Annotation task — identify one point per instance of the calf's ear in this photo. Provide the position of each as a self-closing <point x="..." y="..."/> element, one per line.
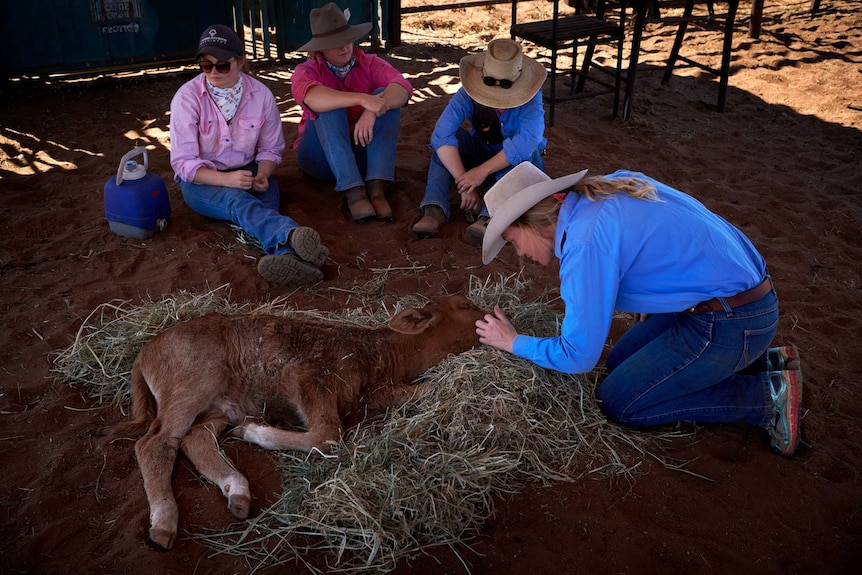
<point x="411" y="321"/>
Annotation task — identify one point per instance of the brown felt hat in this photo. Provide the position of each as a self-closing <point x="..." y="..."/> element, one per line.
<point x="330" y="29"/>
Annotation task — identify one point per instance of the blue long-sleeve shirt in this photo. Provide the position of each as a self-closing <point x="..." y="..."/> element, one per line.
<point x="523" y="127"/>
<point x="639" y="256"/>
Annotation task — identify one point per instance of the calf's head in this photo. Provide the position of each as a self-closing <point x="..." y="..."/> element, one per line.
<point x="447" y="324"/>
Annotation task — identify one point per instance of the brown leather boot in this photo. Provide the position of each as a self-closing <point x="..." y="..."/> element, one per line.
<point x="430" y="223"/>
<point x="358" y="204"/>
<point x="376" y="193"/>
<point x="476" y="230"/>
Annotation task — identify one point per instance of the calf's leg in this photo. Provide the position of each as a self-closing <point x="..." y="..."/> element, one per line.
<point x="269" y="437"/>
<point x="322" y="423"/>
<point x="201" y="447"/>
<point x="396" y="394"/>
<point x="156" y="452"/>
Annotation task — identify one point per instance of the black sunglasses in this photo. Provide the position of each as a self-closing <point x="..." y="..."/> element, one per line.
<point x="504" y="83"/>
<point x="222" y="67"/>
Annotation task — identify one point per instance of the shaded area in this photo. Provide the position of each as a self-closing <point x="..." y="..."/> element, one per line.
<point x="783" y="163"/>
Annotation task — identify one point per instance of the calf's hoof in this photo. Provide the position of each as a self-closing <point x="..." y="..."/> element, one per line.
<point x="239" y="505"/>
<point x="163" y="538"/>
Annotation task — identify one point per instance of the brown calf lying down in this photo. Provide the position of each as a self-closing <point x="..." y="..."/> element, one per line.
<point x="194" y="380"/>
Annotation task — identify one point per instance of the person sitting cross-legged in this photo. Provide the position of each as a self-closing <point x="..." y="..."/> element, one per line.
<point x="501" y="98"/>
<point x="226" y="141"/>
<point x="351" y="113"/>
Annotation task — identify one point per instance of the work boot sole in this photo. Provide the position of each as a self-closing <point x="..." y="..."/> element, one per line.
<point x="288" y="269"/>
<point x="306" y="243"/>
<point x="784" y="432"/>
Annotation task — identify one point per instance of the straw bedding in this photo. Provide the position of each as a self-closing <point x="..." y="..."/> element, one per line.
<point x="419" y="476"/>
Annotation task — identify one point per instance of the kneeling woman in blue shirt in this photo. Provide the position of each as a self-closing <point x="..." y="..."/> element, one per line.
<point x="708" y="310"/>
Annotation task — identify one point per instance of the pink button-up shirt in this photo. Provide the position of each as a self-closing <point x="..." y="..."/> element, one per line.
<point x="368" y="75"/>
<point x="200" y="136"/>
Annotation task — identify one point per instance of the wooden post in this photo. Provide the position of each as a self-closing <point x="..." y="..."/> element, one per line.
<point x="394" y="23"/>
<point x="756" y="16"/>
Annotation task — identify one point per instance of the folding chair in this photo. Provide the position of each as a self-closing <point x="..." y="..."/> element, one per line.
<point x="563" y="32"/>
<point x="726" y="21"/>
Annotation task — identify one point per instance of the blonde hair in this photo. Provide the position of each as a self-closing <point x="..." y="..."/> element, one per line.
<point x="546" y="211"/>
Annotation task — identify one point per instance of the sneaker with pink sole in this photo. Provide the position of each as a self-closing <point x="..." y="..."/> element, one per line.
<point x="783" y="358"/>
<point x="784" y="425"/>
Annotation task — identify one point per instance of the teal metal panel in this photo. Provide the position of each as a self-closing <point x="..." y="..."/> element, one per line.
<point x="75" y="36"/>
<point x="44" y="36"/>
<point x="293" y="19"/>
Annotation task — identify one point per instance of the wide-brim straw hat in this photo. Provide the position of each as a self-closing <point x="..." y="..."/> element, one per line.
<point x="330" y="29"/>
<point x="522" y="188"/>
<point x="502" y="60"/>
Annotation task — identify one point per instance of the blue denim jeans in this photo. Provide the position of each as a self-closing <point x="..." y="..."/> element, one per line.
<point x="326" y="150"/>
<point x="692" y="367"/>
<point x="473" y="152"/>
<point x="255" y="212"/>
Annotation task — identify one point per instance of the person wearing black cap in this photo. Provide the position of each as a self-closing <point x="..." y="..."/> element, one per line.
<point x="351" y="113"/>
<point x="226" y="141"/>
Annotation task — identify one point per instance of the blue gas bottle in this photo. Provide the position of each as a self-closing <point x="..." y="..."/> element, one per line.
<point x="136" y="202"/>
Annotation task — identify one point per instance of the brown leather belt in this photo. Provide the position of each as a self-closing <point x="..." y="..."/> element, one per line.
<point x="740" y="299"/>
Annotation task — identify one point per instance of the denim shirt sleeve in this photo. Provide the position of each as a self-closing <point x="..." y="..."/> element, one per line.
<point x="459" y="108"/>
<point x="523" y="130"/>
<point x="589" y="278"/>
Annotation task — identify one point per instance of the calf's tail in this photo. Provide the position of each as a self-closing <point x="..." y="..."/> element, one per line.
<point x="143" y="408"/>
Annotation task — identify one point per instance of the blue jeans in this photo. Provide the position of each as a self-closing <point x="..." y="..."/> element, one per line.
<point x="326" y="150"/>
<point x="691" y="367"/>
<point x="255" y="212"/>
<point x="473" y="152"/>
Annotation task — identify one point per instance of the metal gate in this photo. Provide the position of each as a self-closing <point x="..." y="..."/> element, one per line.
<point x="82" y="37"/>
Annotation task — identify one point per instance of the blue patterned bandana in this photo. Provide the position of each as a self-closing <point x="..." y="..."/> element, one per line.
<point x="342" y="71"/>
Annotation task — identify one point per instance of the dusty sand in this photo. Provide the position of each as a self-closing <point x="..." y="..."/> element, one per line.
<point x="783" y="163"/>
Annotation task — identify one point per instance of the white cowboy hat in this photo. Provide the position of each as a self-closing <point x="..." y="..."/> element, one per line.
<point x="501" y="76"/>
<point x="330" y="29"/>
<point x="522" y="188"/>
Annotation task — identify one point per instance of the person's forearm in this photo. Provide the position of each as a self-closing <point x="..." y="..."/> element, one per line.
<point x="210" y="177"/>
<point x="395" y="96"/>
<point x="323" y="99"/>
<point x="494" y="164"/>
<point x="451" y="159"/>
<point x="266" y="168"/>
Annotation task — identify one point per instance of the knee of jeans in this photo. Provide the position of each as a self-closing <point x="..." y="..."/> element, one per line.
<point x="611" y="405"/>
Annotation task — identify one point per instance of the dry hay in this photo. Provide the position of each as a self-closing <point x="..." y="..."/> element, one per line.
<point x="423" y="475"/>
